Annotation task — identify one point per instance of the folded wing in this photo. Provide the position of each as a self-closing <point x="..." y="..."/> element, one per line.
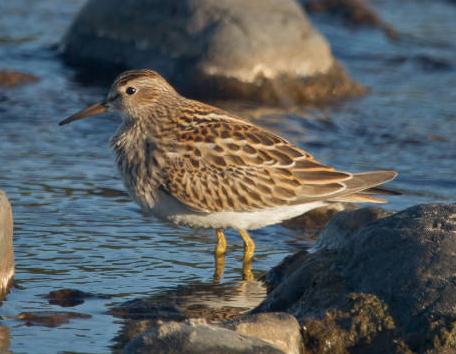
<point x="221" y="163"/>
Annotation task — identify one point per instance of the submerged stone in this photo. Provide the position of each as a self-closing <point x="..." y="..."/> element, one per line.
<point x="71" y="297"/>
<point x="50" y="318"/>
<point x="12" y="78"/>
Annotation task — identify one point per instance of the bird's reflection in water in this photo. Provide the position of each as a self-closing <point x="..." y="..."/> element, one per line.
<point x="215" y="300"/>
<point x="219" y="266"/>
<point x="208" y="300"/>
<point x="212" y="302"/>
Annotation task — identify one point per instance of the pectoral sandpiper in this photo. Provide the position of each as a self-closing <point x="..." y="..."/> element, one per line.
<point x="193" y="164"/>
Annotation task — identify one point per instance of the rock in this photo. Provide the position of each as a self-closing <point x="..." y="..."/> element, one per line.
<point x="338" y="233"/>
<point x="71" y="297"/>
<point x="361" y="318"/>
<point x="389" y="287"/>
<point x="231" y="49"/>
<point x="4" y="340"/>
<point x="6" y="244"/>
<point x="278" y="329"/>
<point x="355" y="12"/>
<point x="50" y="318"/>
<point x="14" y="78"/>
<point x="312" y="222"/>
<point x="196" y="337"/>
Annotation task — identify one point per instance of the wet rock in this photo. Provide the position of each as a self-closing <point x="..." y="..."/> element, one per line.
<point x="338" y="233"/>
<point x="361" y="319"/>
<point x="14" y="78"/>
<point x="229" y="49"/>
<point x="355" y="12"/>
<point x="6" y="244"/>
<point x="432" y="64"/>
<point x="389" y="287"/>
<point x="281" y="330"/>
<point x="71" y="297"/>
<point x="50" y="318"/>
<point x="196" y="337"/>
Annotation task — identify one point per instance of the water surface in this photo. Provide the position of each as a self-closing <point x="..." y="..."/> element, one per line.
<point x="74" y="226"/>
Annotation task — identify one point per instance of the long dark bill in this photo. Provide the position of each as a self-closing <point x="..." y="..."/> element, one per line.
<point x="92" y="110"/>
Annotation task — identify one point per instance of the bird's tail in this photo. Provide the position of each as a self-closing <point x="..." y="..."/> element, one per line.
<point x="362" y="188"/>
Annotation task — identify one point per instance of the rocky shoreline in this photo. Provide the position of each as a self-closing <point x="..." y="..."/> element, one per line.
<point x="376" y="282"/>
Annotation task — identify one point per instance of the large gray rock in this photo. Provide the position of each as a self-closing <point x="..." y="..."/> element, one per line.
<point x="6" y="244"/>
<point x="196" y="338"/>
<point x="389" y="287"/>
<point x="264" y="50"/>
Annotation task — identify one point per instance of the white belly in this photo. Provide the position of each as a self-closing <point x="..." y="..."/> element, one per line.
<point x="171" y="209"/>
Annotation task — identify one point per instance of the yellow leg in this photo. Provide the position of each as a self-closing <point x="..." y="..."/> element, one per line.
<point x="219" y="255"/>
<point x="249" y="249"/>
<point x="220" y="247"/>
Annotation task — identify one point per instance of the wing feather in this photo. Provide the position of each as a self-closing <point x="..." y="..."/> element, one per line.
<point x="221" y="163"/>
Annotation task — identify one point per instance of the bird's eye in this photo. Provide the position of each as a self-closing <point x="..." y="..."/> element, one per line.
<point x="130" y="90"/>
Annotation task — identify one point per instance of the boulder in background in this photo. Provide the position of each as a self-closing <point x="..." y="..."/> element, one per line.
<point x="259" y="50"/>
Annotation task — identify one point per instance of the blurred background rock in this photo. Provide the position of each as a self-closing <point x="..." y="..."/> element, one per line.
<point x="259" y="50"/>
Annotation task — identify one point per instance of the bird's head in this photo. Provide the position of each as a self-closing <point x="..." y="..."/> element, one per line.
<point x="133" y="94"/>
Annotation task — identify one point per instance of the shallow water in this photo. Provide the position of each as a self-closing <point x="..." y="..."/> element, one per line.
<point x="74" y="226"/>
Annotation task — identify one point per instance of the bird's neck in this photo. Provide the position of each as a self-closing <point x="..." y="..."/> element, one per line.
<point x="134" y="148"/>
<point x="135" y="131"/>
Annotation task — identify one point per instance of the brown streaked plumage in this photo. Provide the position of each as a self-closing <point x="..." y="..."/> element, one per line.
<point x="194" y="164"/>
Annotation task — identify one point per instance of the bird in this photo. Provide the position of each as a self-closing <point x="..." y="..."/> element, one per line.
<point x="193" y="164"/>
